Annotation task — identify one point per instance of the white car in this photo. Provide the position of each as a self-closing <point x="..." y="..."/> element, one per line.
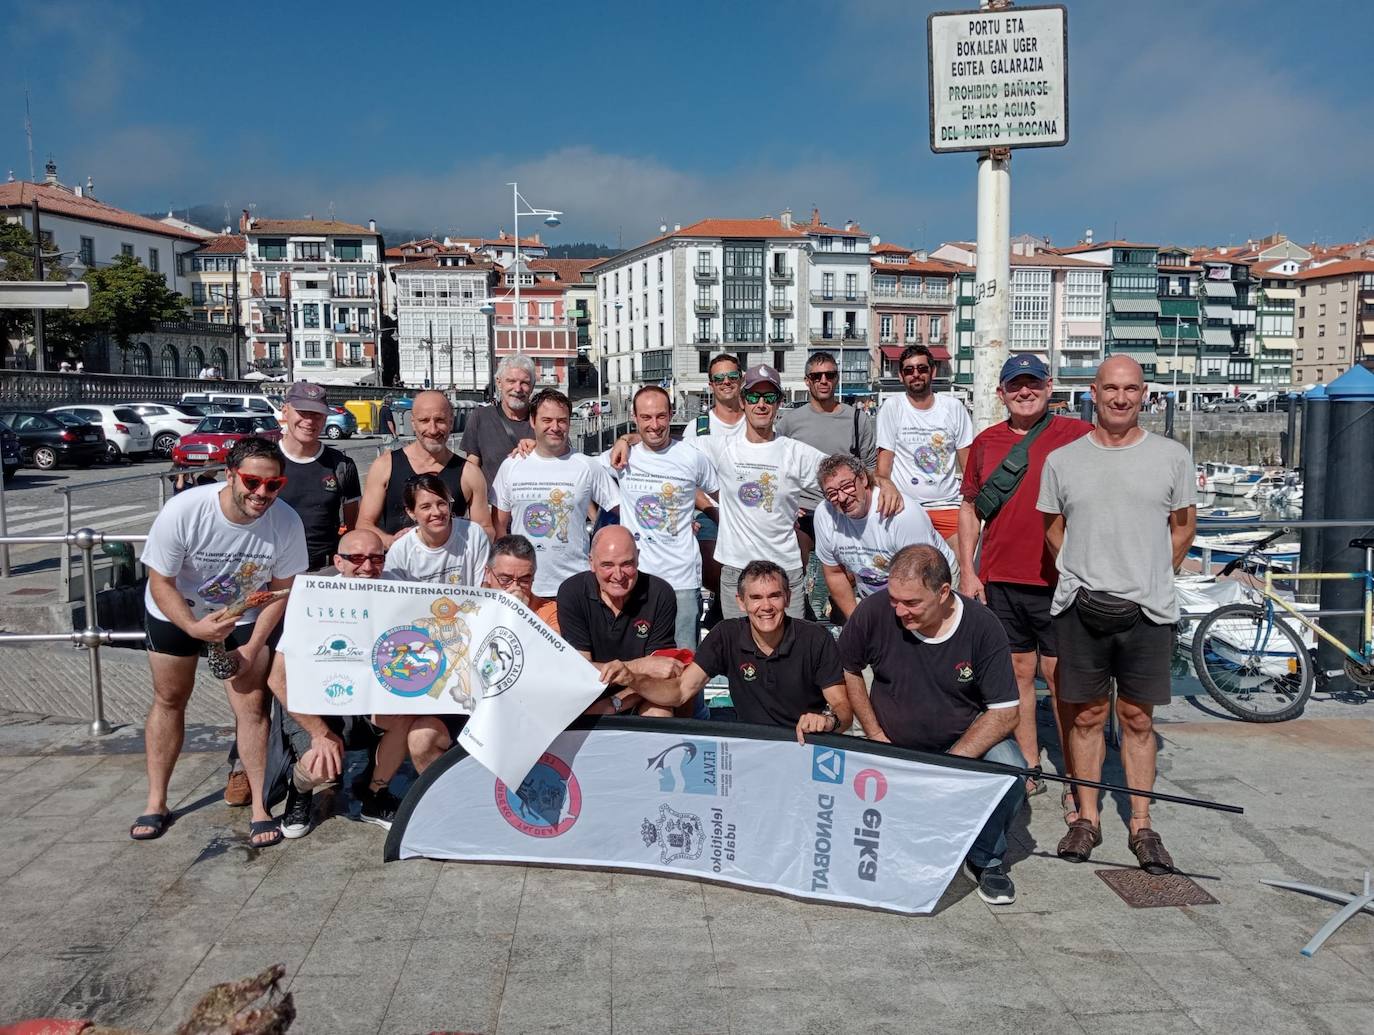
<point x="233" y="401"/>
<point x="166" y="422"/>
<point x="125" y="432"/>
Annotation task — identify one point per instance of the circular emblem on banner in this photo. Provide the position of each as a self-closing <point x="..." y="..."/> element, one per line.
<point x="751" y="494"/>
<point x="651" y="512"/>
<point x="546" y="804"/>
<point x="407" y="661"/>
<point x="499" y="660"/>
<point x="539" y="520"/>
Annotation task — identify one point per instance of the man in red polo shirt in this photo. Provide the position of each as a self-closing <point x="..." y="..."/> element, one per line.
<point x="1016" y="572"/>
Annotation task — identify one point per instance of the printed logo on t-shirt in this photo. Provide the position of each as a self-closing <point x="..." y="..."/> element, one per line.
<point x="641" y="628"/>
<point x="748" y="671"/>
<point x="226" y="589"/>
<point x="874" y="576"/>
<point x="760" y="493"/>
<point x="931" y="457"/>
<point x="330" y="482"/>
<point x="550" y="518"/>
<point x="963" y="671"/>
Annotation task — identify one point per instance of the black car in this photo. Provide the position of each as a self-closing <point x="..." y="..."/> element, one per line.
<point x="81" y="424"/>
<point x="10" y="455"/>
<point x="47" y="443"/>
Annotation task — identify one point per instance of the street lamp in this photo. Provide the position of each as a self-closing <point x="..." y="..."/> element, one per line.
<point x="551" y="218"/>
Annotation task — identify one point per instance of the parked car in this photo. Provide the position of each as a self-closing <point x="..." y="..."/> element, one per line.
<point x="201" y="409"/>
<point x="10" y="455"/>
<point x="234" y="402"/>
<point x="46" y="443"/>
<point x="340" y="423"/>
<point x="167" y="423"/>
<point x="584" y="408"/>
<point x="216" y="434"/>
<point x="71" y="420"/>
<point x="125" y="432"/>
<point x="1228" y="405"/>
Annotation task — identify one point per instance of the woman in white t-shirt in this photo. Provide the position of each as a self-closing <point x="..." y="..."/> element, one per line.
<point x="448" y="550"/>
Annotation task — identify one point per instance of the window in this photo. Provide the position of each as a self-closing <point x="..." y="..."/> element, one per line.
<point x="617" y="282"/>
<point x="1345" y="307"/>
<point x="309" y="251"/>
<point x="851" y="244"/>
<point x="632" y="339"/>
<point x="310" y="313"/>
<point x="1302" y="312"/>
<point x="703" y="331"/>
<point x="1343" y="329"/>
<point x="1323" y="287"/>
<point x="660" y="335"/>
<point x="911" y="287"/>
<point x="779" y="360"/>
<point x="660" y="300"/>
<point x="155" y="263"/>
<point x="935" y="329"/>
<point x="1083" y="295"/>
<point x="1084" y="342"/>
<point x="1321" y="309"/>
<point x="885" y="327"/>
<point x="88" y="251"/>
<point x="629" y="278"/>
<point x="1302" y="332"/>
<point x="851" y="283"/>
<point x="911" y="334"/>
<point x="348" y="249"/>
<point x="312" y="350"/>
<point x="126" y="249"/>
<point x="546" y="311"/>
<point x="197" y="294"/>
<point x="779" y="331"/>
<point x="216" y="316"/>
<point x="1300" y="354"/>
<point x="1321" y="353"/>
<point x="884" y="285"/>
<point x="660" y="280"/>
<point x="272" y="249"/>
<point x="1321" y="330"/>
<point x="826" y="244"/>
<point x="828" y="285"/>
<point x="1030" y="309"/>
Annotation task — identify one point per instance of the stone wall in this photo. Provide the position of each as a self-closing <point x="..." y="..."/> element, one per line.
<point x="1238" y="438"/>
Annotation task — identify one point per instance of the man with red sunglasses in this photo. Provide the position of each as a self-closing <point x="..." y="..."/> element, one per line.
<point x="210" y="548"/>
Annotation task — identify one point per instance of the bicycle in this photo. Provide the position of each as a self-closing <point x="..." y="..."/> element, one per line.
<point x="1255" y="664"/>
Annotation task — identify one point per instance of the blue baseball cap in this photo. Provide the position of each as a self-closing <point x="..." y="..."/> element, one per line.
<point x="1015" y="366"/>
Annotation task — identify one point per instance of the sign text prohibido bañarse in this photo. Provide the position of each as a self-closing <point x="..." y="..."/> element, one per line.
<point x="999" y="78"/>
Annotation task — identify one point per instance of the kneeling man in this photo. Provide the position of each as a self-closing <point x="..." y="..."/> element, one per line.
<point x="942" y="681"/>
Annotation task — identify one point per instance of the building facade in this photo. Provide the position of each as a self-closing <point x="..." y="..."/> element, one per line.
<point x="838" y="289"/>
<point x="545" y="332"/>
<point x="1276" y="298"/>
<point x="1335" y="319"/>
<point x="316" y="298"/>
<point x="913" y="303"/>
<point x="442" y="337"/>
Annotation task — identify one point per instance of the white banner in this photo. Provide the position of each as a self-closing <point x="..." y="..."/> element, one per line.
<point x="863" y="824"/>
<point x="366" y="646"/>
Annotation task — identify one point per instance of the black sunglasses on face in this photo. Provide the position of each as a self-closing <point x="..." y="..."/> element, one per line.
<point x="720" y="379"/>
<point x="913" y="369"/>
<point x="767" y="397"/>
<point x="824" y="375"/>
<point x="359" y="559"/>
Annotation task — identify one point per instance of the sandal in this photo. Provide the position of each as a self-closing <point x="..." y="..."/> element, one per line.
<point x="1077" y="845"/>
<point x="1068" y="801"/>
<point x="1148" y="848"/>
<point x="258" y="827"/>
<point x="157" y="821"/>
<point x="1034" y="787"/>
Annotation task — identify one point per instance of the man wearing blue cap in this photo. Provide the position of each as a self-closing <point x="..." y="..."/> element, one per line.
<point x="1016" y="572"/>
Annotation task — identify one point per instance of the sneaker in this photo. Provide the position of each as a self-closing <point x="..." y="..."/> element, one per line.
<point x="379" y="807"/>
<point x="236" y="790"/>
<point x="994" y="886"/>
<point x="295" y="820"/>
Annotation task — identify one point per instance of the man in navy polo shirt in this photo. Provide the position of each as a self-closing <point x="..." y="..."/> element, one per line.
<point x="942" y="681"/>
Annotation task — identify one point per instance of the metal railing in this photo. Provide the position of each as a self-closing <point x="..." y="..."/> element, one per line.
<point x="92" y="637"/>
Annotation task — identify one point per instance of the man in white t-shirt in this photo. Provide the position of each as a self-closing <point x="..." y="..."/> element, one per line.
<point x="658" y="493"/>
<point x="923" y="441"/>
<point x="761" y="476"/>
<point x="209" y="548"/>
<point x="854" y="542"/>
<point x="545" y="495"/>
<point x="724" y="419"/>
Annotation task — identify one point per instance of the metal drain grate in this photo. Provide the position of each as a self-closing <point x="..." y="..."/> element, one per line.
<point x="1142" y="890"/>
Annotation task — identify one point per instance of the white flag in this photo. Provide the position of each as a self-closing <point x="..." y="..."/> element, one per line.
<point x="365" y="646"/>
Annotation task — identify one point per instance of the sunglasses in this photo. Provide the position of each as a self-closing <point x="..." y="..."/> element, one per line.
<point x="359" y="559"/>
<point x="913" y="368"/>
<point x="824" y="375"/>
<point x="253" y="483"/>
<point x="720" y="379"/>
<point x="766" y="397"/>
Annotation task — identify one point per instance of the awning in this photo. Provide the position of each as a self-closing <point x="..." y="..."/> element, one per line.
<point x="1218" y="289"/>
<point x="1219" y="312"/>
<point x="1135" y="305"/>
<point x="1135" y="332"/>
<point x="1217" y="336"/>
<point x="893" y="351"/>
<point x="940" y="353"/>
<point x="341" y="376"/>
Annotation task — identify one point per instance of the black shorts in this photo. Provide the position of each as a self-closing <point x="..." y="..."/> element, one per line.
<point x="1140" y="660"/>
<point x="806" y="524"/>
<point x="1025" y="615"/>
<point x="168" y="638"/>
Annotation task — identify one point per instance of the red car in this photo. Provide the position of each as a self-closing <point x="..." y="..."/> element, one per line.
<point x="216" y="434"/>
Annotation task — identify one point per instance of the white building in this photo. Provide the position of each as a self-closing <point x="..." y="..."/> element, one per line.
<point x="838" y="292"/>
<point x="315" y="284"/>
<point x="442" y="338"/>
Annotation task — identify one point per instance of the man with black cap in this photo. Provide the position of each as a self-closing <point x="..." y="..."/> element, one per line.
<point x="1016" y="575"/>
<point x="761" y="477"/>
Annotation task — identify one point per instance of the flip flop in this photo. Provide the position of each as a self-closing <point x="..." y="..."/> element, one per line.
<point x="264" y="826"/>
<point x="159" y="821"/>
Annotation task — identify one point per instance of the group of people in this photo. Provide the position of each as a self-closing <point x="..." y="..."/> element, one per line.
<point x="958" y="568"/>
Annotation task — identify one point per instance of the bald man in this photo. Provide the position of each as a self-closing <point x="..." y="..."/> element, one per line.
<point x="616" y="616"/>
<point x="1120" y="510"/>
<point x="383" y="506"/>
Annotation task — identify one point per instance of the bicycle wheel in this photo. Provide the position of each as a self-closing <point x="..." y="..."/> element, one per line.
<point x="1253" y="663"/>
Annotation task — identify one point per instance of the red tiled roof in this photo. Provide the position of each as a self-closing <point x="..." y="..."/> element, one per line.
<point x="1340" y="268"/>
<point x="888" y="248"/>
<point x="936" y="266"/>
<point x="225" y="244"/>
<point x="834" y="231"/>
<point x="311" y="227"/>
<point x="62" y="202"/>
<point x="503" y="238"/>
<point x="567" y="269"/>
<point x="735" y="228"/>
<point x="1051" y="258"/>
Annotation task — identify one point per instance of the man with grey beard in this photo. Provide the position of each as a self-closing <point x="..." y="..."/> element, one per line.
<point x="494" y="430"/>
<point x="383" y="509"/>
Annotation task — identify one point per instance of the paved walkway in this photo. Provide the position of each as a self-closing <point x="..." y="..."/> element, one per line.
<point x="131" y="934"/>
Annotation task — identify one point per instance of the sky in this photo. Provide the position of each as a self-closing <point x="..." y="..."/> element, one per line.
<point x="1191" y="121"/>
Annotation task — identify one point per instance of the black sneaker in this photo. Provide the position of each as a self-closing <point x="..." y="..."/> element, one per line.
<point x="295" y="820"/>
<point x="379" y="807"/>
<point x="994" y="886"/>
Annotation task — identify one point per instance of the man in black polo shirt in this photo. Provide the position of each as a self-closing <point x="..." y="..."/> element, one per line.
<point x="783" y="671"/>
<point x="942" y="681"/>
<point x="616" y="616"/>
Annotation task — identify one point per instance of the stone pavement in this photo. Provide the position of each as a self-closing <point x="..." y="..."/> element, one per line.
<point x="131" y="934"/>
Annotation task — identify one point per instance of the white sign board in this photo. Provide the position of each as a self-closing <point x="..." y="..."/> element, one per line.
<point x="999" y="78"/>
<point x="45" y="294"/>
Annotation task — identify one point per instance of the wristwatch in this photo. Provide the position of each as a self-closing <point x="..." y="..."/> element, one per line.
<point x="829" y="713"/>
<point x="616" y="703"/>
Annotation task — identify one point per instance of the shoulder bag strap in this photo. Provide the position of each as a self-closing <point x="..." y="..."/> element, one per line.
<point x="1003" y="482"/>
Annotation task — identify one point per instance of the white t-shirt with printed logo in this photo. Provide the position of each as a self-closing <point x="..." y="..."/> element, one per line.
<point x="658" y="492"/>
<point x="864" y="546"/>
<point x="216" y="562"/>
<point x="718" y="428"/>
<point x="458" y="562"/>
<point x="924" y="444"/>
<point x="547" y="500"/>
<point x="760" y="490"/>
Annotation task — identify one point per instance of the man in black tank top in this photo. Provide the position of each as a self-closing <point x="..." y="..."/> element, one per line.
<point x="322" y="484"/>
<point x="431" y="418"/>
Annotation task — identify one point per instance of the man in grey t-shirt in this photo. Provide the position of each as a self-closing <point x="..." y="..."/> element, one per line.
<point x="1120" y="509"/>
<point x="492" y="431"/>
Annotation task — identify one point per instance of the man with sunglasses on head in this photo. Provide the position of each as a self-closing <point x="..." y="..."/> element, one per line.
<point x="923" y="442"/>
<point x="211" y="547"/>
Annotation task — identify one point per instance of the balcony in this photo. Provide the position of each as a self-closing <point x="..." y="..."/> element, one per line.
<point x="706" y="306"/>
<point x="705" y="274"/>
<point x="706" y="339"/>
<point x="780" y="276"/>
<point x="779" y="305"/>
<point x="839" y="334"/>
<point x="781" y="339"/>
<point x="895" y="296"/>
<point x="351" y="328"/>
<point x="351" y="292"/>
<point x="839" y="297"/>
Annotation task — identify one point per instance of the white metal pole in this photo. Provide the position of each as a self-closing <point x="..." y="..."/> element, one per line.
<point x="515" y="209"/>
<point x="992" y="287"/>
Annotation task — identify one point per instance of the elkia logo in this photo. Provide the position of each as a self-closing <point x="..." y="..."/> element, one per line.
<point x="870" y="785"/>
<point x="963" y="671"/>
<point x="641" y="628"/>
<point x="748" y="671"/>
<point x="827" y="765"/>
